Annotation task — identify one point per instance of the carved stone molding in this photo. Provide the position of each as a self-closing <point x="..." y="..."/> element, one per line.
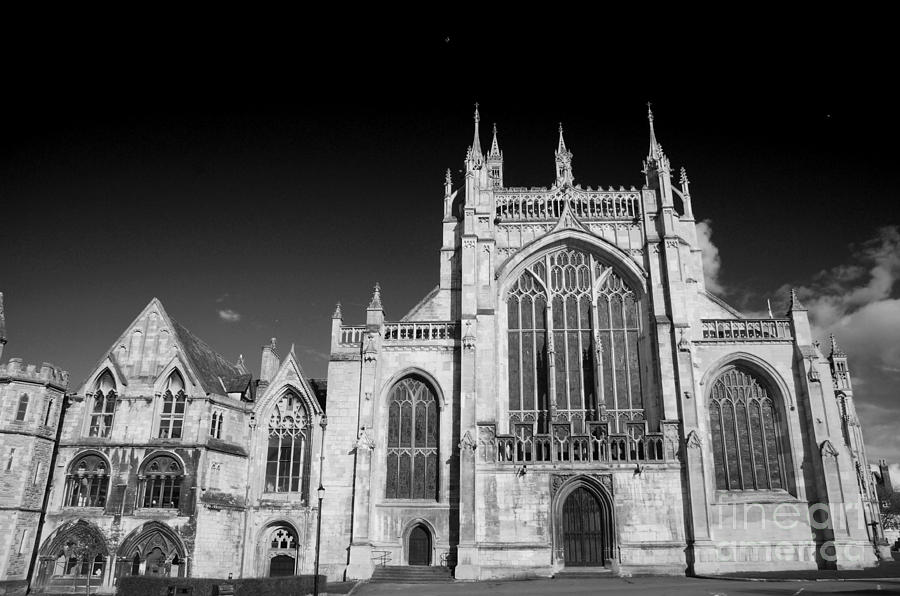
<point x="693" y="440"/>
<point x="364" y="441"/>
<point x="557" y="480"/>
<point x="468" y="443"/>
<point x="828" y="450"/>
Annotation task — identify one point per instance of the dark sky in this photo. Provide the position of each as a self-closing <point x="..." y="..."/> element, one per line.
<point x="270" y="166"/>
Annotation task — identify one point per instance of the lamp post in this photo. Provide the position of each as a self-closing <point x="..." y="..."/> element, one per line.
<point x="321" y="494"/>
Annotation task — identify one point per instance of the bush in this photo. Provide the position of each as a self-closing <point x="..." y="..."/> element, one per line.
<point x="296" y="585"/>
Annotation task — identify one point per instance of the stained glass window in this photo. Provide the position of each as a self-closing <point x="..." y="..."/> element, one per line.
<point x="743" y="422"/>
<point x="412" y="445"/>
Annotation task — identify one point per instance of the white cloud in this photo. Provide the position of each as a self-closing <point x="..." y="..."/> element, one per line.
<point x="856" y="302"/>
<point x="712" y="262"/>
<point x="229" y="316"/>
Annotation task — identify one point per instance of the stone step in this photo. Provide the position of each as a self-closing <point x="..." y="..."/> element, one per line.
<point x="584" y="573"/>
<point x="414" y="574"/>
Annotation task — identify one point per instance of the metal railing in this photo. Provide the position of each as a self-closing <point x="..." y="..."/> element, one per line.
<point x="383" y="557"/>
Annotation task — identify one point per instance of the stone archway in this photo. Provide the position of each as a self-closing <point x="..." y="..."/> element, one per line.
<point x="419" y="545"/>
<point x="584" y="531"/>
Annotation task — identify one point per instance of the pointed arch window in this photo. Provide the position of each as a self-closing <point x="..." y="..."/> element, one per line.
<point x="287" y="457"/>
<point x="23" y="407"/>
<point x="215" y="424"/>
<point x="282" y="551"/>
<point x="743" y="421"/>
<point x="574" y="327"/>
<point x="171" y="420"/>
<point x="87" y="482"/>
<point x="412" y="444"/>
<point x="103" y="409"/>
<point x="161" y="482"/>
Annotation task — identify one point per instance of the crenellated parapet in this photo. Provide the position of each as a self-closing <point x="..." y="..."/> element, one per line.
<point x="46" y="374"/>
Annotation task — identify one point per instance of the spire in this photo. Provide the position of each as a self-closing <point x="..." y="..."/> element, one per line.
<point x="836" y="351"/>
<point x="375" y="304"/>
<point x="685" y="183"/>
<point x="477" y="157"/>
<point x="655" y="149"/>
<point x="337" y="312"/>
<point x="563" y="161"/>
<point x="795" y="302"/>
<point x="495" y="146"/>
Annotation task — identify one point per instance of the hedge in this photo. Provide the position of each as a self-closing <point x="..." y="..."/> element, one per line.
<point x="295" y="585"/>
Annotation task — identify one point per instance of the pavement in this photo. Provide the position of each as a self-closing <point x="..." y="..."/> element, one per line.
<point x="669" y="586"/>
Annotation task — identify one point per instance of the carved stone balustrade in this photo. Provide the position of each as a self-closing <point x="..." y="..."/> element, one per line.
<point x="746" y="330"/>
<point x="585" y="205"/>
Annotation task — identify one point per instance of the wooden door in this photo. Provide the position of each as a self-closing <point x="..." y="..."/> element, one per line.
<point x="419" y="546"/>
<point x="582" y="530"/>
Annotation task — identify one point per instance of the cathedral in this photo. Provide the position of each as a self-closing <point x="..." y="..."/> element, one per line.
<point x="568" y="396"/>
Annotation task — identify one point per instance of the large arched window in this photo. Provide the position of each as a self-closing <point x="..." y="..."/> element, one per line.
<point x="573" y="329"/>
<point x="104" y="407"/>
<point x="161" y="482"/>
<point x="287" y="458"/>
<point x="743" y="421"/>
<point x="171" y="420"/>
<point x="87" y="482"/>
<point x="412" y="445"/>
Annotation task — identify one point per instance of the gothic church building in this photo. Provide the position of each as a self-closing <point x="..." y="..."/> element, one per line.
<point x="569" y="395"/>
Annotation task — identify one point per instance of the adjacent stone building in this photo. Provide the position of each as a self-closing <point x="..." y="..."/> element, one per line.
<point x="173" y="461"/>
<point x="31" y="399"/>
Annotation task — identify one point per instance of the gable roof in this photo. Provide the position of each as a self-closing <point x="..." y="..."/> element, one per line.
<point x="215" y="374"/>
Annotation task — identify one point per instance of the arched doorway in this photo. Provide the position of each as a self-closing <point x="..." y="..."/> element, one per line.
<point x="282" y="551"/>
<point x="585" y="537"/>
<point x="419" y="546"/>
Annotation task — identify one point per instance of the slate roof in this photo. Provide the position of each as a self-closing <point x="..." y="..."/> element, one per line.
<point x="211" y="368"/>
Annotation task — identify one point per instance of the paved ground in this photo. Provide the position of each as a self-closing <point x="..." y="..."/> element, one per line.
<point x="881" y="570"/>
<point x="674" y="586"/>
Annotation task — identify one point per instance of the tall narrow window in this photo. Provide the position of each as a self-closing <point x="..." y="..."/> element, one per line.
<point x="161" y="482"/>
<point x="23" y="407"/>
<point x="48" y="412"/>
<point x="412" y="445"/>
<point x="172" y="417"/>
<point x="287" y="459"/>
<point x="573" y="329"/>
<point x="215" y="424"/>
<point x="104" y="406"/>
<point x="743" y="421"/>
<point x="87" y="482"/>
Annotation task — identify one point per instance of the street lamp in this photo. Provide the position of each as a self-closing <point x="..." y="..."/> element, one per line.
<point x="320" y="492"/>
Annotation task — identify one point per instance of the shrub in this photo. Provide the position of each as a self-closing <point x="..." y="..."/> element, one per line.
<point x="296" y="585"/>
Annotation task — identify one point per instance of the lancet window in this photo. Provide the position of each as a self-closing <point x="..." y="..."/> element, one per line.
<point x="171" y="419"/>
<point x="287" y="459"/>
<point x="412" y="444"/>
<point x="104" y="406"/>
<point x="573" y="343"/>
<point x="746" y="439"/>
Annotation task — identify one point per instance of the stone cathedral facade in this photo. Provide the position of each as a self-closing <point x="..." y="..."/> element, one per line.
<point x="568" y="396"/>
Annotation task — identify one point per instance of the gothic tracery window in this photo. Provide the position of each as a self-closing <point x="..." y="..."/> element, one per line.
<point x="161" y="482"/>
<point x="573" y="329"/>
<point x="282" y="551"/>
<point x="104" y="407"/>
<point x="743" y="421"/>
<point x="412" y="445"/>
<point x="172" y="417"/>
<point x="287" y="459"/>
<point x="87" y="482"/>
